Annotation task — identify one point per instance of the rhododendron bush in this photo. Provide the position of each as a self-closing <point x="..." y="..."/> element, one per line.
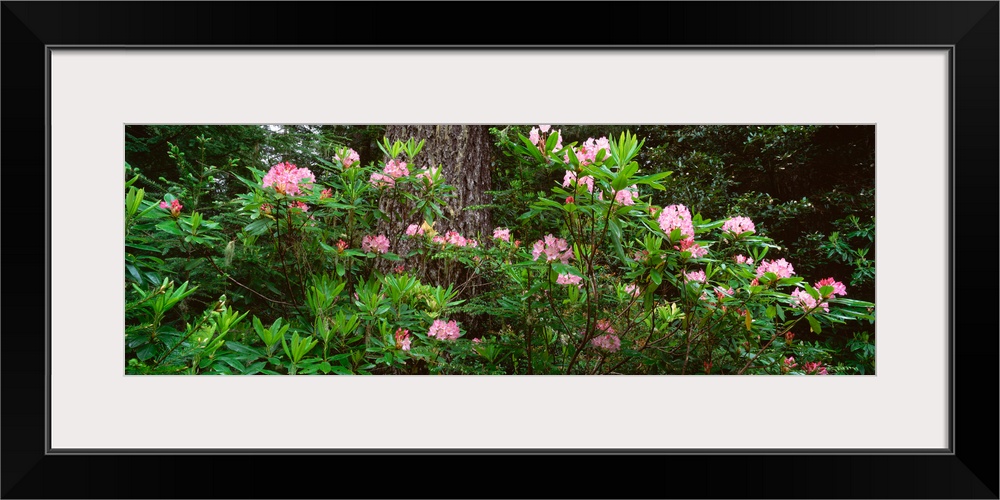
<point x="308" y="276"/>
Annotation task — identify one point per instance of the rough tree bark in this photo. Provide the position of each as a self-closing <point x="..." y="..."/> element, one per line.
<point x="464" y="153"/>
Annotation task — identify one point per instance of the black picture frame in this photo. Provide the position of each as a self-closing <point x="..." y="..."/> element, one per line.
<point x="967" y="470"/>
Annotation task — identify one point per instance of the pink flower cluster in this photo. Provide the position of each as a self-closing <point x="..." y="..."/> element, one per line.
<point x="743" y="259"/>
<point x="444" y="331"/>
<point x="414" y="229"/>
<point x="403" y="339"/>
<point x="604" y="326"/>
<point x="326" y="193"/>
<point x="779" y="267"/>
<point x="536" y="138"/>
<point x="375" y="244"/>
<point x="553" y="248"/>
<point x="396" y="170"/>
<point x="698" y="276"/>
<point x="453" y="238"/>
<point x="381" y="180"/>
<point x="609" y="342"/>
<point x="570" y="179"/>
<point x="569" y="279"/>
<point x="838" y="287"/>
<point x="676" y="217"/>
<point x="427" y="174"/>
<point x="633" y="290"/>
<point x="688" y="245"/>
<point x="588" y="150"/>
<point x="390" y="173"/>
<point x="626" y="196"/>
<point x="174" y="207"/>
<point x="299" y="205"/>
<point x="350" y="158"/>
<point x="286" y="178"/>
<point x="502" y="233"/>
<point x="807" y="302"/>
<point x="815" y="368"/>
<point x="738" y="225"/>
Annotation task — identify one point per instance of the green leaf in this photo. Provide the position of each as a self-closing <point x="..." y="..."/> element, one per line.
<point x="550" y="143"/>
<point x="654" y="274"/>
<point x="169" y="226"/>
<point x="814" y="324"/>
<point x="254" y="368"/>
<point x="145" y="352"/>
<point x="257" y="227"/>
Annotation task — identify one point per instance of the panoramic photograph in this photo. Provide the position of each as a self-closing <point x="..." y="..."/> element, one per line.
<point x="565" y="249"/>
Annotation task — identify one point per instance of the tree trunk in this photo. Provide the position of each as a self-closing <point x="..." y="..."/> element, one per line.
<point x="464" y="154"/>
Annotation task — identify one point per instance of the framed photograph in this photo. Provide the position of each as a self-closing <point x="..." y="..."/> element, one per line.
<point x="903" y="93"/>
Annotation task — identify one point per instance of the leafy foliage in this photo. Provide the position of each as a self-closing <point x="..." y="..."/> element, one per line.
<point x="247" y="261"/>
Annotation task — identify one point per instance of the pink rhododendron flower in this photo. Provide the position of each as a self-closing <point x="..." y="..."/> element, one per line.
<point x="815" y="368"/>
<point x="414" y="229"/>
<point x="341" y="245"/>
<point x="738" y="225"/>
<point x="456" y="239"/>
<point x="779" y="267"/>
<point x="625" y="196"/>
<point x="286" y="178"/>
<point x="569" y="199"/>
<point x="174" y="207"/>
<point x="569" y="279"/>
<point x="570" y="178"/>
<point x="396" y="169"/>
<point x="698" y="276"/>
<point x="676" y="217"/>
<point x="743" y="259"/>
<point x="326" y="193"/>
<point x="428" y="174"/>
<point x="591" y="146"/>
<point x="588" y="150"/>
<point x="838" y="287"/>
<point x="633" y="290"/>
<point x="608" y="342"/>
<point x="787" y="364"/>
<point x="688" y="245"/>
<point x="381" y="180"/>
<point x="444" y="331"/>
<point x="807" y="302"/>
<point x="350" y="158"/>
<point x="502" y="233"/>
<point x="375" y="244"/>
<point x="553" y="248"/>
<point x="403" y="339"/>
<point x="299" y="205"/>
<point x="640" y="255"/>
<point x="604" y="326"/>
<point x="535" y="136"/>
